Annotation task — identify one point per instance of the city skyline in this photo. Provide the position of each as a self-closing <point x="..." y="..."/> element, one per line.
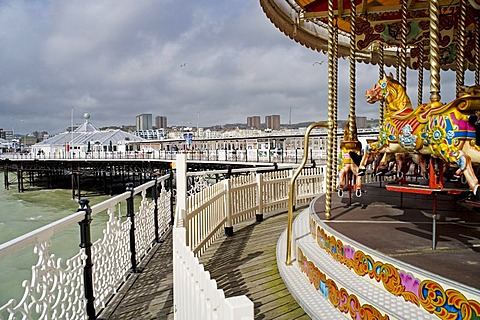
<point x="63" y="59"/>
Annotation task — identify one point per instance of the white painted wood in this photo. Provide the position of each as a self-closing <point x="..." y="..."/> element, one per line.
<point x="196" y="295"/>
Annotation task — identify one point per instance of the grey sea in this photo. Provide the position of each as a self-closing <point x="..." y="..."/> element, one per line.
<point x="24" y="212"/>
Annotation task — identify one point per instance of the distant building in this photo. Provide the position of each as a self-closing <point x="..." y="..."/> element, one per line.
<point x="8" y="135"/>
<point x="254" y="122"/>
<point x="272" y="122"/>
<point x="28" y="140"/>
<point x="154" y="134"/>
<point x="86" y="139"/>
<point x="144" y="121"/>
<point x="361" y="122"/>
<point x="40" y="135"/>
<point x="161" y="122"/>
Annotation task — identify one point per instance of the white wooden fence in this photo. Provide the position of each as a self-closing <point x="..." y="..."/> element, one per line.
<point x="202" y="217"/>
<point x="196" y="295"/>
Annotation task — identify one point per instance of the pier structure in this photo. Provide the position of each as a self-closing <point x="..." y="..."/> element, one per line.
<point x="107" y="175"/>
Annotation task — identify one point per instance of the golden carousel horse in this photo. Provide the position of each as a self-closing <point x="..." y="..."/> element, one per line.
<point x="442" y="131"/>
<point x="350" y="147"/>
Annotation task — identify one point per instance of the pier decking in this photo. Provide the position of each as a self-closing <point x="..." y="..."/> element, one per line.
<point x="242" y="264"/>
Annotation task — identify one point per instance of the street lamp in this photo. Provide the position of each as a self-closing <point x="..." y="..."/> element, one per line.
<point x="71" y="132"/>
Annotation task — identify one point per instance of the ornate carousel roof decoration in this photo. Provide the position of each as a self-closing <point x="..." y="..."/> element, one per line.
<point x="377" y="21"/>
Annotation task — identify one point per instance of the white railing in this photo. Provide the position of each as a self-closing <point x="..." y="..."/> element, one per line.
<point x="234" y="200"/>
<point x="204" y="216"/>
<point x="196" y="295"/>
<point x="57" y="290"/>
<point x="263" y="156"/>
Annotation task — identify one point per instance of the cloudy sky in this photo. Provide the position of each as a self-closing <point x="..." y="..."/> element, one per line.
<point x="199" y="62"/>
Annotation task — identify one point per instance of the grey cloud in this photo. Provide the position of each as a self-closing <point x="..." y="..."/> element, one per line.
<point x="118" y="58"/>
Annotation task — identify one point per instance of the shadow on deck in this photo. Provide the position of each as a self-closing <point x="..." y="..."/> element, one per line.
<point x="244" y="264"/>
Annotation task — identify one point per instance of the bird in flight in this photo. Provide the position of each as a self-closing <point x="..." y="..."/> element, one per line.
<point x="183" y="65"/>
<point x="319" y="62"/>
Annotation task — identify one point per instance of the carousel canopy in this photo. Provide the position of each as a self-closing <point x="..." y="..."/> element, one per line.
<point x="377" y="21"/>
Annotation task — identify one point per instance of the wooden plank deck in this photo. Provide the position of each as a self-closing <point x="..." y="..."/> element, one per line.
<point x="242" y="264"/>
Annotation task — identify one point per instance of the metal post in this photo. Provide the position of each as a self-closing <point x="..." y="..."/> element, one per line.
<point x="172" y="197"/>
<point x="131" y="215"/>
<point x="86" y="244"/>
<point x="155" y="210"/>
<point x="434" y="222"/>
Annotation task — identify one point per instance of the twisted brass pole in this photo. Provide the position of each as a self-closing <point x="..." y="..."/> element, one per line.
<point x="460" y="58"/>
<point x="331" y="107"/>
<point x="381" y="74"/>
<point x="434" y="52"/>
<point x="403" y="46"/>
<point x="335" y="110"/>
<point x="351" y="117"/>
<point x="420" y="73"/>
<point x="397" y="66"/>
<point x="477" y="51"/>
<point x="291" y="193"/>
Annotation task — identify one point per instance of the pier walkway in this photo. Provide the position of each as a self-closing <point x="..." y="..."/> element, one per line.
<point x="242" y="264"/>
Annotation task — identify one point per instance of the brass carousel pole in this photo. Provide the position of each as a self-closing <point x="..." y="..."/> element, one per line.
<point x="403" y="45"/>
<point x="460" y="58"/>
<point x="434" y="52"/>
<point x="335" y="110"/>
<point x="477" y="51"/>
<point x="381" y="74"/>
<point x="420" y="73"/>
<point x="331" y="107"/>
<point x="397" y="66"/>
<point x="351" y="118"/>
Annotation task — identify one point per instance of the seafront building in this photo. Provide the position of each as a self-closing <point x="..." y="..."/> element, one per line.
<point x="161" y="122"/>
<point x="272" y="122"/>
<point x="270" y="145"/>
<point x="144" y="121"/>
<point x="84" y="140"/>
<point x="253" y="122"/>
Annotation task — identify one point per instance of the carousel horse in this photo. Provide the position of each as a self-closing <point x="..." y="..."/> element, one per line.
<point x="350" y="148"/>
<point x="442" y="131"/>
<point x="405" y="160"/>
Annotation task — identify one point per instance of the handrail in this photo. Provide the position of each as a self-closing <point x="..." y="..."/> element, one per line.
<point x="80" y="286"/>
<point x="292" y="190"/>
<point x="50" y="229"/>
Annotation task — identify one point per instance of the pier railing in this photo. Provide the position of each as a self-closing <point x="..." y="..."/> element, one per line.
<point x="256" y="155"/>
<point x="81" y="287"/>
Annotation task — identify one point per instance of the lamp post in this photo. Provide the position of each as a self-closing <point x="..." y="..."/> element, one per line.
<point x="71" y="132"/>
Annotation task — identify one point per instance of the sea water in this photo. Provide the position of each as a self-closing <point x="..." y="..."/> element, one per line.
<point x="24" y="212"/>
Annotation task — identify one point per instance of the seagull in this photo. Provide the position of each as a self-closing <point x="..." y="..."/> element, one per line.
<point x="319" y="62"/>
<point x="183" y="65"/>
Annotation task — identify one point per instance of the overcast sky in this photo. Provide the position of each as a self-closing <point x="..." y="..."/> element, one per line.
<point x="199" y="62"/>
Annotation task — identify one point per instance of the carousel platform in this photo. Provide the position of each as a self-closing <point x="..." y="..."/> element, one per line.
<point x="388" y="252"/>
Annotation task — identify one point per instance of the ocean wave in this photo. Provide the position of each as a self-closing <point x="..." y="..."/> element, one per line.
<point x="34" y="218"/>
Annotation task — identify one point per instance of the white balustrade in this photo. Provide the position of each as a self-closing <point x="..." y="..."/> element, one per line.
<point x="56" y="289"/>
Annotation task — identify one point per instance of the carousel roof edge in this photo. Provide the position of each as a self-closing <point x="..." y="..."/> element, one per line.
<point x="313" y="36"/>
<point x="286" y="18"/>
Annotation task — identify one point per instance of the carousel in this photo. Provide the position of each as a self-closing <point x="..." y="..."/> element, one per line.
<point x="396" y="235"/>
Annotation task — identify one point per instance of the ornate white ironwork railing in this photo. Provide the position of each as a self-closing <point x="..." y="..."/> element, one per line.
<point x="61" y="290"/>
